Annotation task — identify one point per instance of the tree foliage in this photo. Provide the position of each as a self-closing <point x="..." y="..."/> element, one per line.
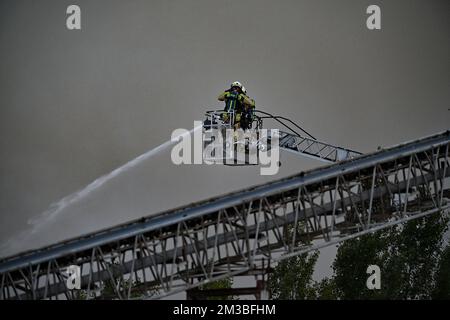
<point x="412" y="260"/>
<point x="442" y="278"/>
<point x="408" y="257"/>
<point x="292" y="278"/>
<point x="226" y="283"/>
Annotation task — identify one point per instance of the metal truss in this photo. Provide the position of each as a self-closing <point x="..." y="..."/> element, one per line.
<point x="236" y="233"/>
<point x="315" y="149"/>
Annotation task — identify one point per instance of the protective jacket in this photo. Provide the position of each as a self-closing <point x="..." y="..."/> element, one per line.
<point x="236" y="101"/>
<point x="242" y="105"/>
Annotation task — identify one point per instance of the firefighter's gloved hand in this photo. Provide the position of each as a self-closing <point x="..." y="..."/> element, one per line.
<point x="225" y="117"/>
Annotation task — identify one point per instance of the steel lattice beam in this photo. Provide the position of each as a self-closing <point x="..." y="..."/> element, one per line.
<point x="232" y="234"/>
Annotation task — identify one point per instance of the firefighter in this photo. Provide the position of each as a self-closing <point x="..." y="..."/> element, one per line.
<point x="238" y="102"/>
<point x="248" y="111"/>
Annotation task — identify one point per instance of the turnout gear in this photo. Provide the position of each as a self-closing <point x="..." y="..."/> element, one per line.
<point x="242" y="105"/>
<point x="247" y="113"/>
<point x="233" y="101"/>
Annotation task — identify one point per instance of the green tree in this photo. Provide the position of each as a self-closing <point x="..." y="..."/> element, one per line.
<point x="407" y="254"/>
<point x="326" y="289"/>
<point x="351" y="262"/>
<point x="411" y="258"/>
<point x="442" y="279"/>
<point x="414" y="258"/>
<point x="292" y="278"/>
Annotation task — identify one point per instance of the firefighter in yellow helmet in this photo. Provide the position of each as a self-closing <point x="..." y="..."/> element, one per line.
<point x="236" y="100"/>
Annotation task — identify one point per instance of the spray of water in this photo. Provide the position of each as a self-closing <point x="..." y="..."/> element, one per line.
<point x="57" y="207"/>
